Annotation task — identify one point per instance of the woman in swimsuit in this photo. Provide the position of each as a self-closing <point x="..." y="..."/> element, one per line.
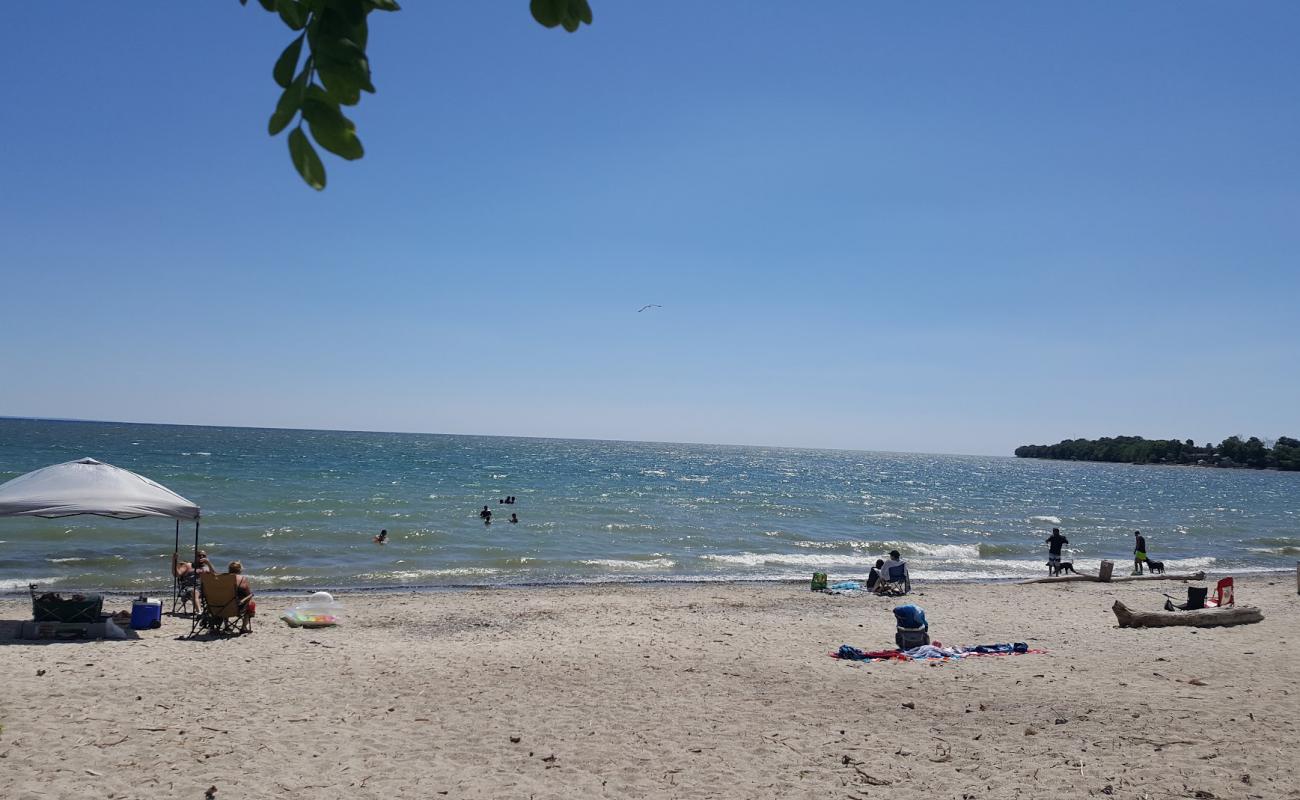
<point x="244" y="594"/>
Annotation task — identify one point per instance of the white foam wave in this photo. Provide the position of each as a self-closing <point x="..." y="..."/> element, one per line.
<point x="1045" y="518"/>
<point x="11" y="584"/>
<point x="616" y="563"/>
<point x="885" y="515"/>
<point x="629" y="526"/>
<point x="63" y="560"/>
<point x="943" y="551"/>
<point x="793" y="559"/>
<point x="658" y="473"/>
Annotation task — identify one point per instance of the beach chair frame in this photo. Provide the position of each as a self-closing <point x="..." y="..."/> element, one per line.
<point x="220" y="610"/>
<point x="898" y="579"/>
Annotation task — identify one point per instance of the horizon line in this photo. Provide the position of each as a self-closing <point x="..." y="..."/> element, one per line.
<point x="27" y="418"/>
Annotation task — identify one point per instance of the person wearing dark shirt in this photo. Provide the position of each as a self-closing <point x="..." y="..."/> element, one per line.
<point x="873" y="577"/>
<point x="1139" y="552"/>
<point x="1054" y="543"/>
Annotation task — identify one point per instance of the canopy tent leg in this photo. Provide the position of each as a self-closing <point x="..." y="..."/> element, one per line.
<point x="176" y="587"/>
<point x="196" y="540"/>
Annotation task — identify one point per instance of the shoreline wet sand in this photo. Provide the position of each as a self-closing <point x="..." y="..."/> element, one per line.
<point x="666" y="690"/>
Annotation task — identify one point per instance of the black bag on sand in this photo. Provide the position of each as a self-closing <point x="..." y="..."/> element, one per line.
<point x="907" y="638"/>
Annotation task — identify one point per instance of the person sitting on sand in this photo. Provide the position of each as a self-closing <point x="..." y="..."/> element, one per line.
<point x="1139" y="552"/>
<point x="873" y="577"/>
<point x="243" y="595"/>
<point x="382" y="538"/>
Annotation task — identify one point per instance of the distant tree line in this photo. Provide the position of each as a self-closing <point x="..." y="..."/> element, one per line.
<point x="1231" y="452"/>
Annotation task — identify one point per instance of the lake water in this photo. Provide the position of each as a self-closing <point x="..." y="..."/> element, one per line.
<point x="300" y="508"/>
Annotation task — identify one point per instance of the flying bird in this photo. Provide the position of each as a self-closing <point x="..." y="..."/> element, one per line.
<point x="651" y="305"/>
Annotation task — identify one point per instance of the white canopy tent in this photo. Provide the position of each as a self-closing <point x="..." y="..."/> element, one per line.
<point x="87" y="486"/>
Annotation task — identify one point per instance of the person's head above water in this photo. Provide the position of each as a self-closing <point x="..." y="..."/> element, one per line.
<point x="894" y="555"/>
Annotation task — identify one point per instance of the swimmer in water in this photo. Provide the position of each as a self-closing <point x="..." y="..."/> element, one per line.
<point x="382" y="538"/>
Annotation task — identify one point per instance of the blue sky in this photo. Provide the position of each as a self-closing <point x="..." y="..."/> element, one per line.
<point x="944" y="227"/>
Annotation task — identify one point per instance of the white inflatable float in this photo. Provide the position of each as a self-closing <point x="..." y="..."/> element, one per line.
<point x="320" y="610"/>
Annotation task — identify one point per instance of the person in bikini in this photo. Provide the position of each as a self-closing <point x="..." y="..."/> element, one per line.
<point x="243" y="595"/>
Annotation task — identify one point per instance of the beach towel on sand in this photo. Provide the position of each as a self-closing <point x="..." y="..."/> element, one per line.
<point x="929" y="652"/>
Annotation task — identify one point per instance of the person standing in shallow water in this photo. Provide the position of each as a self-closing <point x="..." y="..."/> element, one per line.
<point x="1054" y="543"/>
<point x="382" y="538"/>
<point x="486" y="515"/>
<point x="1139" y="552"/>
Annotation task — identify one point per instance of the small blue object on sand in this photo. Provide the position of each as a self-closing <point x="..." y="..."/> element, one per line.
<point x="848" y="585"/>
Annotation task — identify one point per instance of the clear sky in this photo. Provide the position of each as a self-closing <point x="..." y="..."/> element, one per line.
<point x="943" y="227"/>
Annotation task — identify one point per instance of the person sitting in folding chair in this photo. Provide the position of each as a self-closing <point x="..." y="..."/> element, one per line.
<point x="244" y="596"/>
<point x="187" y="581"/>
<point x="894" y="578"/>
<point x="225" y="603"/>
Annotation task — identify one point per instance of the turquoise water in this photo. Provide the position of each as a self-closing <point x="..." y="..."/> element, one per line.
<point x="299" y="508"/>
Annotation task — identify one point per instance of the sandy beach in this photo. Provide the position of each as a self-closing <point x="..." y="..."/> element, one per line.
<point x="710" y="690"/>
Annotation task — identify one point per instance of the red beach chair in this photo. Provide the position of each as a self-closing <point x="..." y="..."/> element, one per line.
<point x="1222" y="595"/>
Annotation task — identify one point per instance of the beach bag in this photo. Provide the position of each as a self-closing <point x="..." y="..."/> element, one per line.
<point x="819" y="582"/>
<point x="906" y="638"/>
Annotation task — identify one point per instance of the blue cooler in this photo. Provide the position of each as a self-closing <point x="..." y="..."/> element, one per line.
<point x="146" y="614"/>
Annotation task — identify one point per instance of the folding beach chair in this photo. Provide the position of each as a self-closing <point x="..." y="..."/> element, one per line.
<point x="1222" y="594"/>
<point x="913" y="628"/>
<point x="1195" y="600"/>
<point x="183" y="594"/>
<point x="220" y="611"/>
<point x="897" y="582"/>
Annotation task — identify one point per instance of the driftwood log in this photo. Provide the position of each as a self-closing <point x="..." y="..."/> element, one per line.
<point x="1201" y="618"/>
<point x="1084" y="576"/>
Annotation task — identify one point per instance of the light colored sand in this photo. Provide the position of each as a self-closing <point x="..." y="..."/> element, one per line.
<point x="665" y="691"/>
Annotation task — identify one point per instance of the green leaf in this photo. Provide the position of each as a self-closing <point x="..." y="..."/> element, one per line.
<point x="546" y="12"/>
<point x="305" y="160"/>
<point x="329" y="127"/>
<point x="385" y="5"/>
<point x="289" y="103"/>
<point x="288" y="62"/>
<point x="293" y="13"/>
<point x="344" y="70"/>
<point x="569" y="13"/>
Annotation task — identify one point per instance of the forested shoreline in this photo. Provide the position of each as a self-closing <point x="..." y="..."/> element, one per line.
<point x="1252" y="453"/>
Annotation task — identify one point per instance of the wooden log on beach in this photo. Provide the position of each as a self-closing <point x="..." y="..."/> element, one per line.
<point x="1084" y="576"/>
<point x="1201" y="618"/>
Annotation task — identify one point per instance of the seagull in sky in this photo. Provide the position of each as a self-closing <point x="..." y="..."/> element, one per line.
<point x="651" y="305"/>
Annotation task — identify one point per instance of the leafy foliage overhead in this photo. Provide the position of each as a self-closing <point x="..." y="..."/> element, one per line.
<point x="1231" y="452"/>
<point x="325" y="67"/>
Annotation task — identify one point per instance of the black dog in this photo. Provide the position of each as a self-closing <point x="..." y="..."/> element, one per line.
<point x="1060" y="568"/>
<point x="1156" y="566"/>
